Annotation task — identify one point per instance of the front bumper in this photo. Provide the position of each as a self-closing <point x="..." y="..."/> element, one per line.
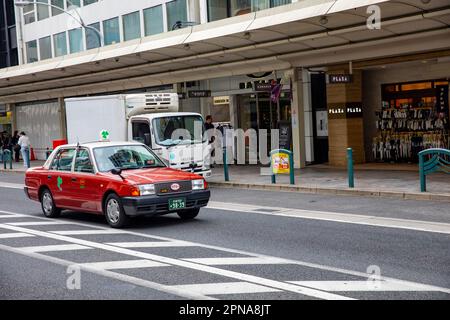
<point x="158" y="205"/>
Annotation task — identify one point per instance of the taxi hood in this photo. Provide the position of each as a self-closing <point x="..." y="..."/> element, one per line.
<point x="157" y="175"/>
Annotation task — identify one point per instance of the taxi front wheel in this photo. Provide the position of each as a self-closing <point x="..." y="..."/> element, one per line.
<point x="114" y="212"/>
<point x="48" y="205"/>
<point x="188" y="214"/>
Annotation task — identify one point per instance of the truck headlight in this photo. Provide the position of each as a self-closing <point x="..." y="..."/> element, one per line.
<point x="147" y="189"/>
<point x="198" y="184"/>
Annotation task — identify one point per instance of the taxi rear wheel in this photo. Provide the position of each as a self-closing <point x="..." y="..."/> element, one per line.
<point x="114" y="212"/>
<point x="48" y="205"/>
<point x="188" y="214"/>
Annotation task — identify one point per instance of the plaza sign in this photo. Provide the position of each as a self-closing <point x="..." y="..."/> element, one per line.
<point x="340" y="78"/>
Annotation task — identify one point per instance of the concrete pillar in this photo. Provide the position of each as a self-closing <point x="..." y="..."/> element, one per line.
<point x="345" y="119"/>
<point x="62" y="112"/>
<point x="297" y="112"/>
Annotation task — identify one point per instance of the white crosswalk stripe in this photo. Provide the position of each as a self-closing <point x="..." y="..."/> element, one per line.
<point x="349" y="286"/>
<point x="88" y="232"/>
<point x="237" y="261"/>
<point x="11" y="216"/>
<point x="152" y="244"/>
<point x="123" y="264"/>
<point x="225" y="288"/>
<point x="58" y="247"/>
<point x="38" y="223"/>
<point x="11" y="235"/>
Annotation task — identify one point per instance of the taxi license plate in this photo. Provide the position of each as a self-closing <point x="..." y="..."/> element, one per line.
<point x="175" y="204"/>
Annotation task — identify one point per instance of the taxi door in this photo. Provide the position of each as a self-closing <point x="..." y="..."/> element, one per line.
<point x="85" y="187"/>
<point x="58" y="178"/>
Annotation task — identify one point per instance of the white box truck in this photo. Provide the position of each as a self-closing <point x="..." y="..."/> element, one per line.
<point x="150" y="118"/>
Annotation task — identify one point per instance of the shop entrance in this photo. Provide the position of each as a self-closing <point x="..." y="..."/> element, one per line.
<point x="258" y="111"/>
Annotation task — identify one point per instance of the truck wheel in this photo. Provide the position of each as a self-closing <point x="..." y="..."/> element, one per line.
<point x="188" y="214"/>
<point x="48" y="205"/>
<point x="114" y="213"/>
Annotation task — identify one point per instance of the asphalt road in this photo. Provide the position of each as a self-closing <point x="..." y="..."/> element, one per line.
<point x="239" y="249"/>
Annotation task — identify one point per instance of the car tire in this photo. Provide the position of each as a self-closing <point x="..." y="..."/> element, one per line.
<point x="188" y="214"/>
<point x="114" y="212"/>
<point x="48" y="205"/>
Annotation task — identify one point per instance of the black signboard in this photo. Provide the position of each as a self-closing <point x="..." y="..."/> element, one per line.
<point x="340" y="78"/>
<point x="199" y="93"/>
<point x="285" y="128"/>
<point x="265" y="87"/>
<point x="442" y="99"/>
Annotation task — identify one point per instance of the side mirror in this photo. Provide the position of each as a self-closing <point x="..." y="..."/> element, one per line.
<point x="147" y="139"/>
<point x="116" y="171"/>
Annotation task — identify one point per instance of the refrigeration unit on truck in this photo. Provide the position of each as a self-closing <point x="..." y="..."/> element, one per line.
<point x="151" y="118"/>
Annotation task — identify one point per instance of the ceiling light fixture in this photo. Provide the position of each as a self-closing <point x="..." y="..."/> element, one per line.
<point x="247" y="35"/>
<point x="323" y="21"/>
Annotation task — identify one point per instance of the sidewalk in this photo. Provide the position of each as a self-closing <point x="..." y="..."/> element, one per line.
<point x="18" y="166"/>
<point x="378" y="180"/>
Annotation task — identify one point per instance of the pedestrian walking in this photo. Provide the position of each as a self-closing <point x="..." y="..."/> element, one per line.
<point x="24" y="143"/>
<point x="209" y="127"/>
<point x="16" y="146"/>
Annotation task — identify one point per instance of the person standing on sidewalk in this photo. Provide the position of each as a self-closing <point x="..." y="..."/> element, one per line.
<point x="5" y="143"/>
<point x="16" y="146"/>
<point x="209" y="127"/>
<point x="24" y="143"/>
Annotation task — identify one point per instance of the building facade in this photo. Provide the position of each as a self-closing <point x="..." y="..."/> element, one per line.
<point x="365" y="74"/>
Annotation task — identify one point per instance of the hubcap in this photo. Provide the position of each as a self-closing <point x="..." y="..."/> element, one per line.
<point x="47" y="203"/>
<point x="113" y="210"/>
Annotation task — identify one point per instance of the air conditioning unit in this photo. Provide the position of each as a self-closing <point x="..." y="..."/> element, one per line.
<point x="155" y="102"/>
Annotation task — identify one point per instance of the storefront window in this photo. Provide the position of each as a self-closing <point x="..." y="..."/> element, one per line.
<point x="28" y="14"/>
<point x="75" y="40"/>
<point x="131" y="26"/>
<point x="217" y="10"/>
<point x="60" y="44"/>
<point x="153" y="20"/>
<point x="45" y="48"/>
<point x="111" y="32"/>
<point x="221" y="9"/>
<point x="59" y="4"/>
<point x="92" y="38"/>
<point x="42" y="10"/>
<point x="87" y="2"/>
<point x="176" y="11"/>
<point x="32" y="54"/>
<point x="74" y="3"/>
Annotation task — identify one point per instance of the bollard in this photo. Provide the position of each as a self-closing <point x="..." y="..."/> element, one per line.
<point x="225" y="165"/>
<point x="351" y="179"/>
<point x="7" y="156"/>
<point x="423" y="181"/>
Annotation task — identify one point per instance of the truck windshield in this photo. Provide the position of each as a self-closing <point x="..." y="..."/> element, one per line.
<point x="171" y="131"/>
<point x="125" y="158"/>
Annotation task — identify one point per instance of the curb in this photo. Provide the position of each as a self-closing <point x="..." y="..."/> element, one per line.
<point x="336" y="191"/>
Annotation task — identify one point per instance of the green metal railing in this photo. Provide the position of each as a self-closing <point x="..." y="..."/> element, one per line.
<point x="431" y="161"/>
<point x="291" y="165"/>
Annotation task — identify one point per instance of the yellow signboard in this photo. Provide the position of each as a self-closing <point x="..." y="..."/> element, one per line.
<point x="280" y="163"/>
<point x="7" y="119"/>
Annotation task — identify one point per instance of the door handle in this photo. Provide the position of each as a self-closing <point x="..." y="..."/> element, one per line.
<point x="49" y="177"/>
<point x="74" y="179"/>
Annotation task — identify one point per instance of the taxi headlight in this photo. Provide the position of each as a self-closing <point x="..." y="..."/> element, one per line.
<point x="147" y="189"/>
<point x="198" y="184"/>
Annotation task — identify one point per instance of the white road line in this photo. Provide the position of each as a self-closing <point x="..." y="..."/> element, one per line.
<point x="349" y="286"/>
<point x="12" y="235"/>
<point x="237" y="261"/>
<point x="10" y="216"/>
<point x="186" y="264"/>
<point x="124" y="264"/>
<point x="225" y="288"/>
<point x="11" y="185"/>
<point x="87" y="232"/>
<point x="243" y="252"/>
<point x="152" y="244"/>
<point x="40" y="223"/>
<point x="113" y="275"/>
<point x="51" y="248"/>
<point x="435" y="227"/>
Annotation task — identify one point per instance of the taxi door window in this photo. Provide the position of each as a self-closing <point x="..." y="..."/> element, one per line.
<point x="83" y="163"/>
<point x="63" y="160"/>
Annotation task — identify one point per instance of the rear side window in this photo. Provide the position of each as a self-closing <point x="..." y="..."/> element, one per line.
<point x="83" y="162"/>
<point x="63" y="160"/>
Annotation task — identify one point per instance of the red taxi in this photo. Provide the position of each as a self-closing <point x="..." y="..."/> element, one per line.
<point x="119" y="180"/>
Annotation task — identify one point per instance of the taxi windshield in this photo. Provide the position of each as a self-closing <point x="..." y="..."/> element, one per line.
<point x="126" y="158"/>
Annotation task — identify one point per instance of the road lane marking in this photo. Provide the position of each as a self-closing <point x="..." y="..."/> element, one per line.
<point x="237" y="261"/>
<point x="123" y="264"/>
<point x="151" y="244"/>
<point x="9" y="185"/>
<point x="291" y="261"/>
<point x="87" y="232"/>
<point x="350" y="286"/>
<point x="10" y="216"/>
<point x="416" y="225"/>
<point x="52" y="248"/>
<point x="186" y="264"/>
<point x="40" y="223"/>
<point x="225" y="288"/>
<point x="113" y="275"/>
<point x="12" y="235"/>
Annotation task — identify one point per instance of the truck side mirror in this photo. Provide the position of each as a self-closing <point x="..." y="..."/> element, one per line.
<point x="147" y="139"/>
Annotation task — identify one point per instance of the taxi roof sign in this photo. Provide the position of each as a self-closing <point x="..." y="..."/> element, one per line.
<point x="104" y="135"/>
